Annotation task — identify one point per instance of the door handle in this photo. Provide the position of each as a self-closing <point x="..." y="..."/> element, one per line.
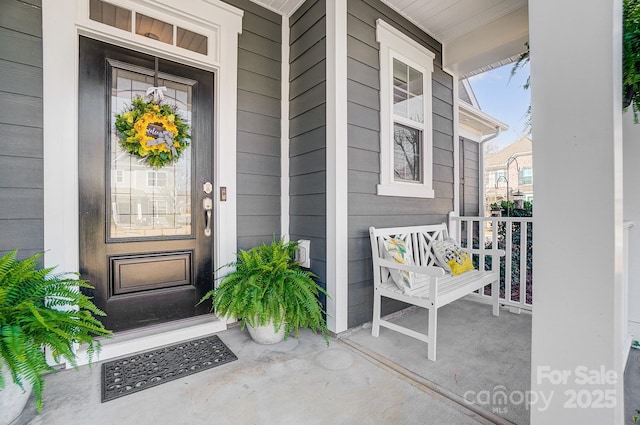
<point x="207" y="206"/>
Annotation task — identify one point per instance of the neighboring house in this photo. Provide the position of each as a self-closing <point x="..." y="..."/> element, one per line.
<point x="315" y="119"/>
<point x="509" y="168"/>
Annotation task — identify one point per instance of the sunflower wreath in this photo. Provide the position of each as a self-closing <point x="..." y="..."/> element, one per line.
<point x="154" y="132"/>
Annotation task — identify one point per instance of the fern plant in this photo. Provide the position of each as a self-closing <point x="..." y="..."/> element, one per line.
<point x="39" y="309"/>
<point x="269" y="285"/>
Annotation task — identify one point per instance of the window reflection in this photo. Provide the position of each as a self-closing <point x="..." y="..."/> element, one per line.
<point x="146" y="202"/>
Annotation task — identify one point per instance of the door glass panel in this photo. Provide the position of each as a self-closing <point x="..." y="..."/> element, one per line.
<point x="144" y="201"/>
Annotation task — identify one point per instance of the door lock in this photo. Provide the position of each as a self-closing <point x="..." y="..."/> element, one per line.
<point x="207" y="206"/>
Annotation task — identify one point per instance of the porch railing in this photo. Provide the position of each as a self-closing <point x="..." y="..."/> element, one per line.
<point x="513" y="234"/>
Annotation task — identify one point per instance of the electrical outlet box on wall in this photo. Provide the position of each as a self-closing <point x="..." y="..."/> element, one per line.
<point x="303" y="253"/>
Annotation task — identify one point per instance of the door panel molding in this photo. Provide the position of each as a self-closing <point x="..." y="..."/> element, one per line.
<point x="160" y="270"/>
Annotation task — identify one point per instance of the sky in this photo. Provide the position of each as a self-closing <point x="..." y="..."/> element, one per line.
<point x="505" y="99"/>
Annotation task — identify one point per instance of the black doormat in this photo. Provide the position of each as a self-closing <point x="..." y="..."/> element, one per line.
<point x="135" y="373"/>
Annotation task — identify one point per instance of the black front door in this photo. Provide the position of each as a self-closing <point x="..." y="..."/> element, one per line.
<point x="143" y="239"/>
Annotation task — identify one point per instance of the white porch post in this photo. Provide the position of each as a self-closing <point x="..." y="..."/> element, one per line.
<point x="337" y="173"/>
<point x="632" y="213"/>
<point x="576" y="104"/>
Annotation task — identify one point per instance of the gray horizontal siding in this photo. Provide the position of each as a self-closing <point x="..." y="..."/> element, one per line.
<point x="368" y="11"/>
<point x="258" y="130"/>
<point x="307" y="131"/>
<point x="20" y="79"/>
<point x="313" y="35"/>
<point x="19" y="47"/>
<point x="21" y="143"/>
<point x="469" y="181"/>
<point x="363" y="95"/>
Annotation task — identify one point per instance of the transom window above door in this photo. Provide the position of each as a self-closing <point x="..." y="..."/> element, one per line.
<point x="147" y="26"/>
<point x="405" y="115"/>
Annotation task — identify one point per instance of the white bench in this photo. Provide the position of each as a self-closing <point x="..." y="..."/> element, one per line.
<point x="442" y="289"/>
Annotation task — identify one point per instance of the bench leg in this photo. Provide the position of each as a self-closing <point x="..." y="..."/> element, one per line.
<point x="433" y="326"/>
<point x="375" y="326"/>
<point x="495" y="297"/>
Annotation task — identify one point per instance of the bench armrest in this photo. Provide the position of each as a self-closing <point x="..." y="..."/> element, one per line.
<point x="426" y="270"/>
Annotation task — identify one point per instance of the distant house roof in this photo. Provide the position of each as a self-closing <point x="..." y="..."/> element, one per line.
<point x="471" y="118"/>
<point x="499" y="159"/>
<point x="465" y="93"/>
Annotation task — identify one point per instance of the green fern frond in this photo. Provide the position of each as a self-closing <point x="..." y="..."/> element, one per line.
<point x="41" y="309"/>
<point x="267" y="284"/>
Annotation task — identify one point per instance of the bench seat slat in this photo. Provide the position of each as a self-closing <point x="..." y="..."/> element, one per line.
<point x="448" y="286"/>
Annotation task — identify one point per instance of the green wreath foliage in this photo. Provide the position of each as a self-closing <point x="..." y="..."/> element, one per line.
<point x="158" y="150"/>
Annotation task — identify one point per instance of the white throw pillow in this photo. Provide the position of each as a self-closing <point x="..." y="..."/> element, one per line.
<point x="395" y="249"/>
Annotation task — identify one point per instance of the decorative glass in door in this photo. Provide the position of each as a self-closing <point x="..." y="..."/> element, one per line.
<point x="147" y="202"/>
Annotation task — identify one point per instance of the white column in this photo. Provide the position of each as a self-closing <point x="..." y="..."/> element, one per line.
<point x="576" y="111"/>
<point x="60" y="78"/>
<point x="337" y="196"/>
<point x="456" y="146"/>
<point x="632" y="214"/>
<point x="284" y="132"/>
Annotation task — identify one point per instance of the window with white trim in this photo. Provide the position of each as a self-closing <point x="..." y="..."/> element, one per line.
<point x="525" y="176"/>
<point x="406" y="137"/>
<point x="156" y="178"/>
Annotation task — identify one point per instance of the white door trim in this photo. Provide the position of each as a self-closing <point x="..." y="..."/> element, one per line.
<point x="62" y="22"/>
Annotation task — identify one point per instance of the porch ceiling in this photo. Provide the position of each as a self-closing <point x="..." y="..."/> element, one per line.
<point x="476" y="34"/>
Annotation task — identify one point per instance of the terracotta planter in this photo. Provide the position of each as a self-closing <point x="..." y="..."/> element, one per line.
<point x="13" y="399"/>
<point x="266" y="334"/>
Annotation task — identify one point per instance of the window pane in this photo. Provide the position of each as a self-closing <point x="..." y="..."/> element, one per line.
<point x="525" y="176"/>
<point x="415" y="105"/>
<point x="110" y="14"/>
<point x="400" y="74"/>
<point x="407" y="143"/>
<point x="408" y="101"/>
<point x="415" y="82"/>
<point x="400" y="104"/>
<point x="191" y="41"/>
<point x="154" y="28"/>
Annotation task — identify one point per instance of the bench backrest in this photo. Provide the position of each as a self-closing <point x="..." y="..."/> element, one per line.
<point x="419" y="241"/>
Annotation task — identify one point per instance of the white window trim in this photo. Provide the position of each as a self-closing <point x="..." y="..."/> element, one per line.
<point x="395" y="44"/>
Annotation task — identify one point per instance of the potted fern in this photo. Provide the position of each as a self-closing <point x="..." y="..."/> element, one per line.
<point x="39" y="309"/>
<point x="271" y="293"/>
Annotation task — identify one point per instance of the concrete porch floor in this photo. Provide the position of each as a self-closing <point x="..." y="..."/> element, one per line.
<point x="358" y="379"/>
